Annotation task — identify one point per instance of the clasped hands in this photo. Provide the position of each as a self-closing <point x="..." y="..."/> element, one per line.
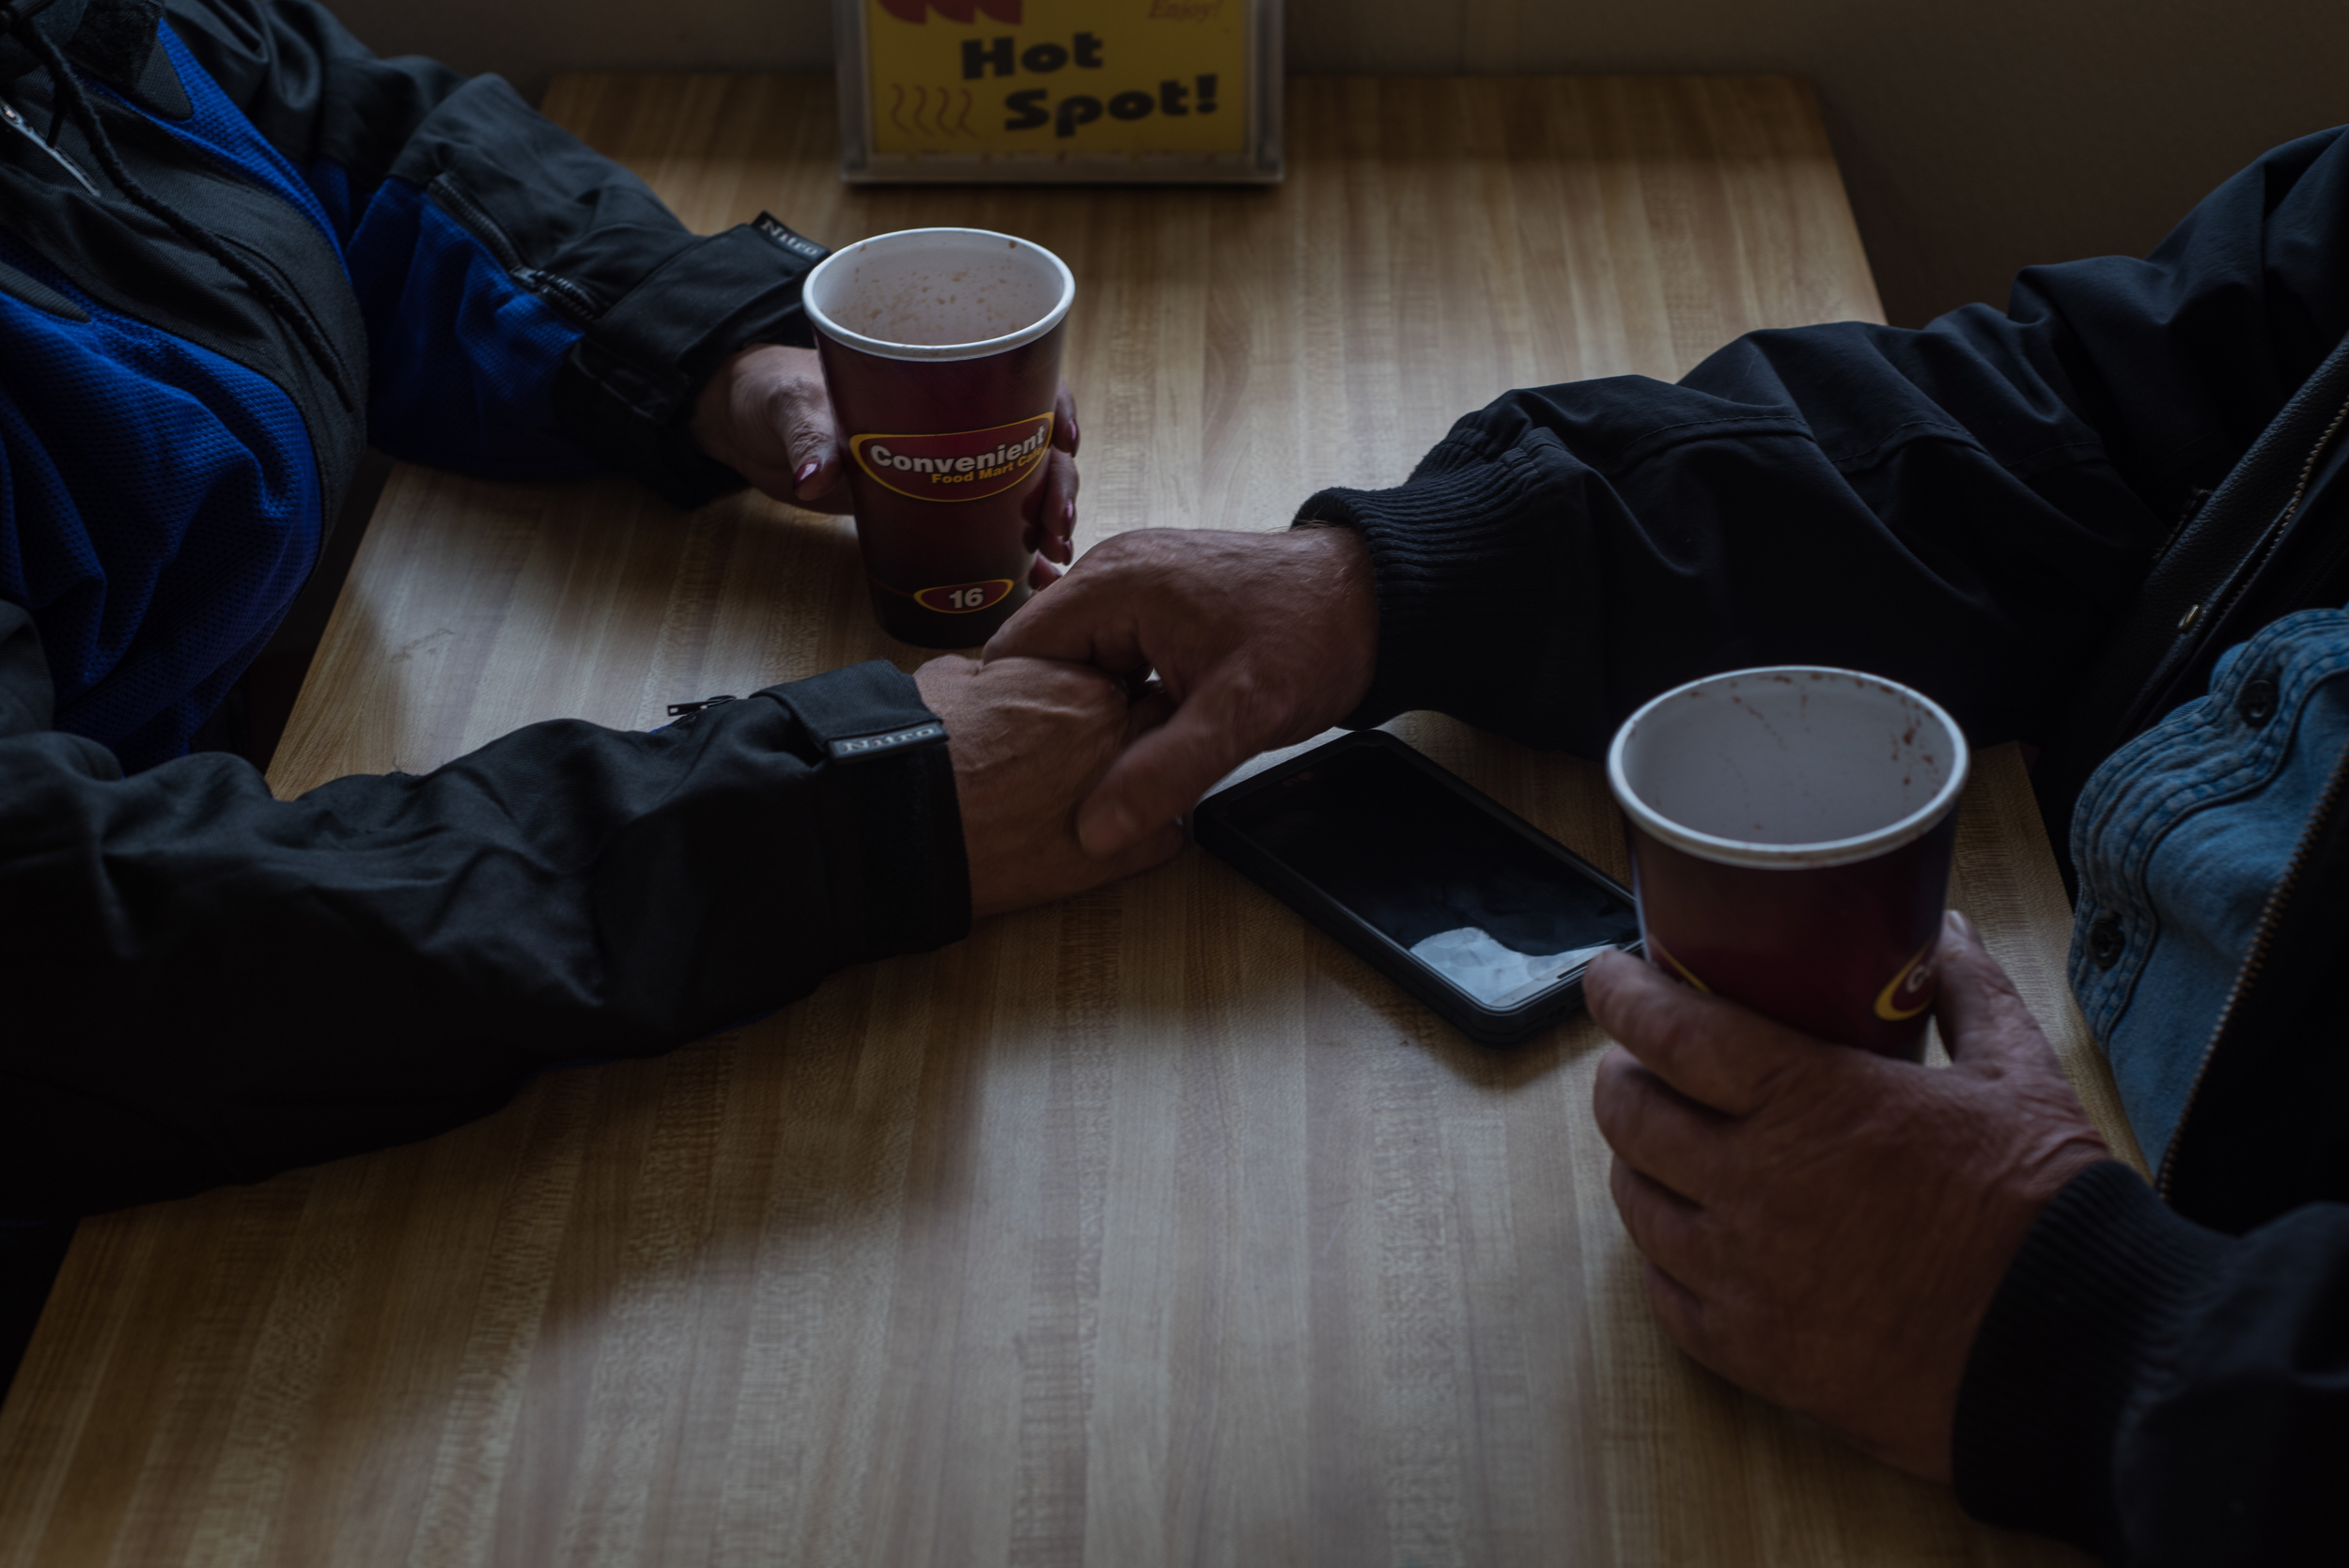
<point x="1069" y="774"/>
<point x="1822" y="1226"/>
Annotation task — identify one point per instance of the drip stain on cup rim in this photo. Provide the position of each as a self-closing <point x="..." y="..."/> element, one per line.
<point x="1794" y="765"/>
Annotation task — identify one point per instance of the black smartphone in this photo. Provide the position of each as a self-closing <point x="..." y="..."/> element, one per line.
<point x="1464" y="904"/>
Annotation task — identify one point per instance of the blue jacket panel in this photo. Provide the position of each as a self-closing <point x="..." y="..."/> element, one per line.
<point x="465" y="358"/>
<point x="159" y="509"/>
<point x="473" y="288"/>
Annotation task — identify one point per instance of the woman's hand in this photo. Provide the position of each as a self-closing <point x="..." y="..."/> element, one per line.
<point x="765" y="414"/>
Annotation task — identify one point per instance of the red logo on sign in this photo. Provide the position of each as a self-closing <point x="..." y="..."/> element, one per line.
<point x="964" y="465"/>
<point x="953" y="10"/>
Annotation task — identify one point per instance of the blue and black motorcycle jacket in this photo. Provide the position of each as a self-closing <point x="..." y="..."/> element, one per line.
<point x="235" y="249"/>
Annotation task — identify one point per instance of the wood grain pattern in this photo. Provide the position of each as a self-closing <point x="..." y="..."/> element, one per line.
<point x="1148" y="1229"/>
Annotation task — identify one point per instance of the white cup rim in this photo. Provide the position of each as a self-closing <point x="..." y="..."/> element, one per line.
<point x="1791" y="856"/>
<point x="979" y="348"/>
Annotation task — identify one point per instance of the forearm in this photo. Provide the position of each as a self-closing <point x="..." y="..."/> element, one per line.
<point x="388" y="956"/>
<point x="1964" y="507"/>
<point x="2161" y="1393"/>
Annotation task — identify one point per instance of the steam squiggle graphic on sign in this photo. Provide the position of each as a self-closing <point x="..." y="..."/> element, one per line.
<point x="949" y="116"/>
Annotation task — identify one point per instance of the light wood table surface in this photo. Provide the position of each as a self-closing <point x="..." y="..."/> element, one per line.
<point x="1151" y="1228"/>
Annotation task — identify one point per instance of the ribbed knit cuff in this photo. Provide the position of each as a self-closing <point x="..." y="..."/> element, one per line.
<point x="1461" y="556"/>
<point x="2087" y="1314"/>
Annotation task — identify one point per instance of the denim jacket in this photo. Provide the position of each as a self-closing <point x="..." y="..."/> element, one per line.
<point x="2183" y="840"/>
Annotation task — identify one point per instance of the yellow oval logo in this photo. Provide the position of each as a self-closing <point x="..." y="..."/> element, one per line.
<point x="956" y="465"/>
<point x="1910" y="992"/>
<point x="960" y="598"/>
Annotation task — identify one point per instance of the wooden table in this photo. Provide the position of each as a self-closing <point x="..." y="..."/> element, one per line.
<point x="1148" y="1229"/>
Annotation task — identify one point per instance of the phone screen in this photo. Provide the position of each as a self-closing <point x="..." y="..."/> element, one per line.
<point x="1474" y="901"/>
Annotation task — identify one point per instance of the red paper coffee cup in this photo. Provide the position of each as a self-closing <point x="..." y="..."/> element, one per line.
<point x="941" y="354"/>
<point x="1791" y="832"/>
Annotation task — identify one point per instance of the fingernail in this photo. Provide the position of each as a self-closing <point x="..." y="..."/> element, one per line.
<point x="1960" y="924"/>
<point x="1073" y="437"/>
<point x="1068" y="513"/>
<point x="807" y="472"/>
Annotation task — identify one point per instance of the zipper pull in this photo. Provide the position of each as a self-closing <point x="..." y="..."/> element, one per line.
<point x="681" y="709"/>
<point x="17" y="122"/>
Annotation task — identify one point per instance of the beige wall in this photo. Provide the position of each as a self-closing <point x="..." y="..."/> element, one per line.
<point x="1975" y="138"/>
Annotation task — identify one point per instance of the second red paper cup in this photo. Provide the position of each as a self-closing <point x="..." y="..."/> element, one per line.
<point x="941" y="356"/>
<point x="1791" y="832"/>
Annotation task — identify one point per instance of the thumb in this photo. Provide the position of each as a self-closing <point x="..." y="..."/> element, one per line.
<point x="1982" y="1017"/>
<point x="1161" y="775"/>
<point x="813" y="441"/>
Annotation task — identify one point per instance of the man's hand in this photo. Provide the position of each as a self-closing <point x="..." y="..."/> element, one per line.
<point x="1825" y="1226"/>
<point x="1029" y="738"/>
<point x="1262" y="639"/>
<point x="764" y="413"/>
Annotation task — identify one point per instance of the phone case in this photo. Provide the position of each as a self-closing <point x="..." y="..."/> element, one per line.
<point x="1212" y="825"/>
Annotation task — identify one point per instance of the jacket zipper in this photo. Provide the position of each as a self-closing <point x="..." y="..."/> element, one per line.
<point x="2249" y="570"/>
<point x="337" y="374"/>
<point x="2205" y="616"/>
<point x="2253" y="962"/>
<point x="493" y="235"/>
<point x="16" y="122"/>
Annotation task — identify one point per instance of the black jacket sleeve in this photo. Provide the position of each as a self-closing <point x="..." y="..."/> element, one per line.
<point x="2161" y="1393"/>
<point x="531" y="308"/>
<point x="1965" y="507"/>
<point x="208" y="984"/>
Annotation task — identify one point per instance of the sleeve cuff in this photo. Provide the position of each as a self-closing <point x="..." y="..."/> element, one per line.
<point x="904" y="881"/>
<point x="2088" y="1315"/>
<point x="1460" y="557"/>
<point x="629" y="386"/>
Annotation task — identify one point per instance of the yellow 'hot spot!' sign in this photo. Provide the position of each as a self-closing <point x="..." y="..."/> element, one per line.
<point x="1025" y="90"/>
